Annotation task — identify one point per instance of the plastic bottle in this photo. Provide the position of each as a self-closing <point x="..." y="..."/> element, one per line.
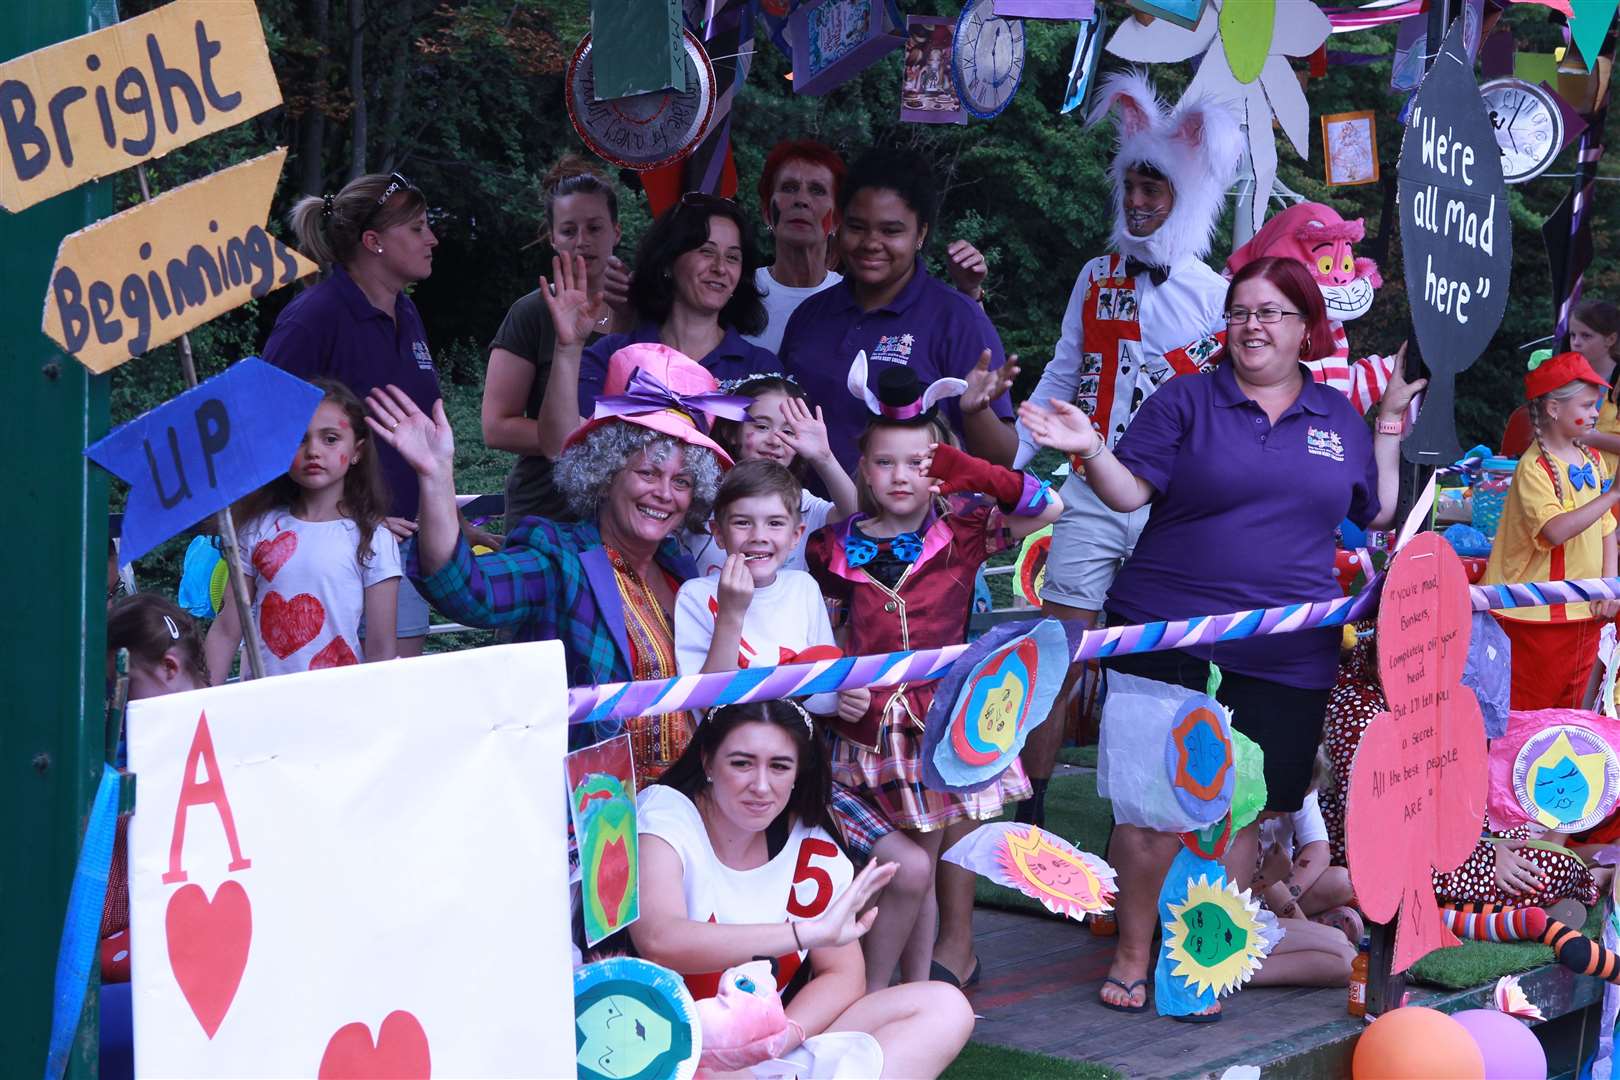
<point x="1358" y="978"/>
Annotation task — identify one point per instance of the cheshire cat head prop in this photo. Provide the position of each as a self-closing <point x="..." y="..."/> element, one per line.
<point x="1317" y="236"/>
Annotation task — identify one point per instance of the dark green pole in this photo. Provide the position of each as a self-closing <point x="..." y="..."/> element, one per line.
<point x="54" y="508"/>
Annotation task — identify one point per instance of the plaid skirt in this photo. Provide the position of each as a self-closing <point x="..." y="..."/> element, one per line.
<point x="890" y="780"/>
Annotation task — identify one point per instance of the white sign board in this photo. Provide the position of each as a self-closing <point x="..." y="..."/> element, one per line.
<point x="355" y="872"/>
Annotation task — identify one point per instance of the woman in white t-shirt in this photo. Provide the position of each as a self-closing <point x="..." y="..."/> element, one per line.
<point x="737" y="862"/>
<point x="315" y="554"/>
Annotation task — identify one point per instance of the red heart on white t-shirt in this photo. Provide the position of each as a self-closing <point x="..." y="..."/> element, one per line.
<point x="336" y="654"/>
<point x="289" y="625"/>
<point x="271" y="555"/>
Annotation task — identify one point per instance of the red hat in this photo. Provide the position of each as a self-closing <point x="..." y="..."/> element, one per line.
<point x="656" y="387"/>
<point x="1548" y="374"/>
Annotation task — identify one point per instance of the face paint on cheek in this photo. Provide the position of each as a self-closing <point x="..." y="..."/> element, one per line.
<point x="827" y="222"/>
<point x="776" y="214"/>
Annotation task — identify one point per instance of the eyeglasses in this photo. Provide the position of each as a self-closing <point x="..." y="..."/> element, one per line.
<point x="1267" y="315"/>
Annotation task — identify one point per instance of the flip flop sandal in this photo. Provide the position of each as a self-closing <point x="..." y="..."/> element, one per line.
<point x="1130" y="991"/>
<point x="1198" y="1018"/>
<point x="938" y="972"/>
<point x="973" y="976"/>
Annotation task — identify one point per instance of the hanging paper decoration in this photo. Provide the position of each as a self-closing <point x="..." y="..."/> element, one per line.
<point x="1029" y="570"/>
<point x="1246" y="45"/>
<point x="1211" y="841"/>
<point x="1456" y="239"/>
<point x="602" y="804"/>
<point x="1350" y="148"/>
<point x="1198" y="758"/>
<point x="1555" y="768"/>
<point x="1182" y="13"/>
<point x="1083" y="69"/>
<point x="634" y="1019"/>
<point x="834" y="40"/>
<point x="984" y="709"/>
<point x="1588" y="25"/>
<point x="647" y="130"/>
<point x="1249" y="790"/>
<point x="1138" y="754"/>
<point x="927" y="91"/>
<point x="1056" y="10"/>
<point x="1215" y="936"/>
<point x="1040" y="865"/>
<point x="638" y="48"/>
<point x="987" y="59"/>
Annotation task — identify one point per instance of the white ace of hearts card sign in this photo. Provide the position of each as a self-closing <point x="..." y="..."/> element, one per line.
<point x="355" y="872"/>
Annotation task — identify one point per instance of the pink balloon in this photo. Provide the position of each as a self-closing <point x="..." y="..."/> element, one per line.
<point x="1510" y="1049"/>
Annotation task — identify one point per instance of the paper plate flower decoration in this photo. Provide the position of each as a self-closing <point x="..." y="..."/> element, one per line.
<point x="1555" y="768"/>
<point x="1510" y="998"/>
<point x="1040" y="865"/>
<point x="1215" y="936"/>
<point x="1246" y="45"/>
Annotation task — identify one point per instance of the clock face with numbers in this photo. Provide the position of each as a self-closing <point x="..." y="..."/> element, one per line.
<point x="987" y="60"/>
<point x="1529" y="127"/>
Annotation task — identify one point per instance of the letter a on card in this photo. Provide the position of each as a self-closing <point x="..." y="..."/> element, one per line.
<point x="197" y="792"/>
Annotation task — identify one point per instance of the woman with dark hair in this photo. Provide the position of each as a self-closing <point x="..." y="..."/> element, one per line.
<point x="357" y="325"/>
<point x="693" y="290"/>
<point x="739" y="860"/>
<point x="580" y="215"/>
<point x="1253" y="456"/>
<point x="891" y="308"/>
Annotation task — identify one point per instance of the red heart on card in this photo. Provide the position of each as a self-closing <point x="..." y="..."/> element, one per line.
<point x="401" y="1051"/>
<point x="336" y="654"/>
<point x="613" y="876"/>
<point x="289" y="625"/>
<point x="271" y="555"/>
<point x="208" y="948"/>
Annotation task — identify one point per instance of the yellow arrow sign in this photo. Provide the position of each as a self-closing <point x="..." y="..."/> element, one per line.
<point x="146" y="276"/>
<point x="99" y="103"/>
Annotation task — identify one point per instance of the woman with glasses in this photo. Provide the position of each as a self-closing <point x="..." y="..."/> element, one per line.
<point x="1253" y="456"/>
<point x="693" y="290"/>
<point x="357" y="326"/>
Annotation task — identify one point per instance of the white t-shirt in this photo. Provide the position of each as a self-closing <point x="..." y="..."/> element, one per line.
<point x="311" y="588"/>
<point x="784" y="618"/>
<point x="813" y="511"/>
<point x="798" y="883"/>
<point x="1303" y="826"/>
<point x="781" y="301"/>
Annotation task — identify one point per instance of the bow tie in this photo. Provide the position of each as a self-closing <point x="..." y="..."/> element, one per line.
<point x="1156" y="274"/>
<point x="1581" y="476"/>
<point x="860" y="550"/>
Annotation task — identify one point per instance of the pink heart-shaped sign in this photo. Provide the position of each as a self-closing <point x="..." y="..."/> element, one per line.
<point x="208" y="948"/>
<point x="400" y="1052"/>
<point x="289" y="625"/>
<point x="271" y="555"/>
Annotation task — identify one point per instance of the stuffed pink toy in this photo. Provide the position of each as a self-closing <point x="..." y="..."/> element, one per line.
<point x="744" y="1024"/>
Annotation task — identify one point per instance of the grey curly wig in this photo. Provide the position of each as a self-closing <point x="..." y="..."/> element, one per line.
<point x="585" y="470"/>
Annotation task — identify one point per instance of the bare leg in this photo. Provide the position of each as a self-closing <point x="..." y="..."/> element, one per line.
<point x="954" y="889"/>
<point x="921" y="1027"/>
<point x="1308" y="955"/>
<point x="918" y="954"/>
<point x="1040" y="750"/>
<point x="1140" y="857"/>
<point x="1330" y="890"/>
<point x="410" y="646"/>
<point x="898" y="906"/>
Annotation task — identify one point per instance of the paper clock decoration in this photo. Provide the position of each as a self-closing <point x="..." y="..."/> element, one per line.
<point x="987" y="60"/>
<point x="1246" y="46"/>
<point x="1418" y="780"/>
<point x="646" y="131"/>
<point x="1456" y="240"/>
<point x="1040" y="865"/>
<point x="1215" y="936"/>
<point x="602" y="804"/>
<point x="1529" y="126"/>
<point x="983" y="710"/>
<point x="1029" y="570"/>
<point x="834" y="40"/>
<point x="1198" y="757"/>
<point x="1556" y="769"/>
<point x="634" y="1020"/>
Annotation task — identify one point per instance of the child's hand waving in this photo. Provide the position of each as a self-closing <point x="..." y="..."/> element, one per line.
<point x="804" y="431"/>
<point x="736" y="590"/>
<point x="1061" y="426"/>
<point x="425" y="442"/>
<point x="985" y="385"/>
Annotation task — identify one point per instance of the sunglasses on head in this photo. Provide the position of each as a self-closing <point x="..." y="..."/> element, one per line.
<point x="396" y="184"/>
<point x="703" y="200"/>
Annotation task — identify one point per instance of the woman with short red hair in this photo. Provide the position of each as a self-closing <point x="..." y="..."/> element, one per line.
<point x="798" y="198"/>
<point x="1251" y="457"/>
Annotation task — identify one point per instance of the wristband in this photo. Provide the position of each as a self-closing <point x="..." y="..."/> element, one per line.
<point x="1391" y="427"/>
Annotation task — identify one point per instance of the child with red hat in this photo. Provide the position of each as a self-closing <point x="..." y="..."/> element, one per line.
<point x="1556" y="524"/>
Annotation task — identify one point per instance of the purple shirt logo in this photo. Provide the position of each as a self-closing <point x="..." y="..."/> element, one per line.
<point x="1324" y="444"/>
<point x="895" y="348"/>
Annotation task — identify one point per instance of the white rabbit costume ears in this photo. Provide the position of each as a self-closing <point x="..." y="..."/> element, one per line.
<point x="1197" y="146"/>
<point x="897" y="397"/>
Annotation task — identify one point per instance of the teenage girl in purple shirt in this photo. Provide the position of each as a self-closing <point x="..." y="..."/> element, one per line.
<point x="1253" y="457"/>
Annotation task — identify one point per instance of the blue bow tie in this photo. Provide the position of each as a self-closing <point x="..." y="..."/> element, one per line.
<point x="860" y="550"/>
<point x="1581" y="476"/>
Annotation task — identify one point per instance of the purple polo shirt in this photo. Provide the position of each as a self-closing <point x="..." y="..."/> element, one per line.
<point x="936" y="330"/>
<point x="733" y="358"/>
<point x="332" y="330"/>
<point x="1244" y="514"/>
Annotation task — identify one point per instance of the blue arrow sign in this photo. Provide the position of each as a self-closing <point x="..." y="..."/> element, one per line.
<point x="205" y="449"/>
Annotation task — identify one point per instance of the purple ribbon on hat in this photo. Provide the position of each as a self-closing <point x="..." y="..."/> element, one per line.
<point x="646" y="394"/>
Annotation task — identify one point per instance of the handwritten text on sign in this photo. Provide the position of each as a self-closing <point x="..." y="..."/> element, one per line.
<point x="149" y="274"/>
<point x="1417" y="785"/>
<point x="205" y="449"/>
<point x="108" y="100"/>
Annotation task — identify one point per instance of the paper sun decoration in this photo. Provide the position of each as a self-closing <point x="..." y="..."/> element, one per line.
<point x="1038" y="864"/>
<point x="1217" y="936"/>
<point x="1246" y="45"/>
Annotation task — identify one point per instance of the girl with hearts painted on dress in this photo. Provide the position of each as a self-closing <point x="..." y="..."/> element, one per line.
<point x="901" y="576"/>
<point x="322" y="570"/>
